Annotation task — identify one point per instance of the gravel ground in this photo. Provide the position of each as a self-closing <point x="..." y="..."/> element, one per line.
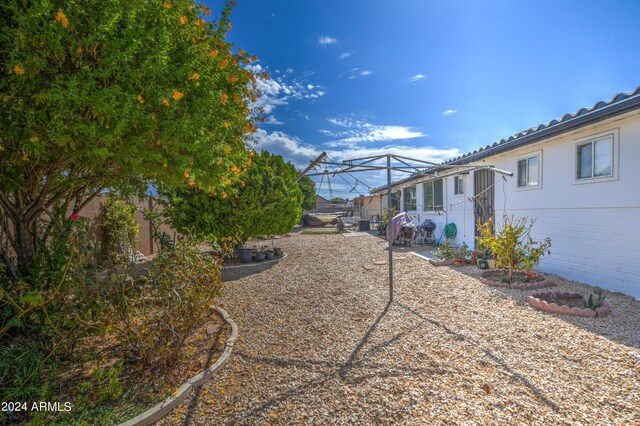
<point x="319" y="344"/>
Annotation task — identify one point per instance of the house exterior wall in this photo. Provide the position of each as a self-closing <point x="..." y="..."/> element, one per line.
<point x="594" y="226"/>
<point x="457" y="209"/>
<point x="368" y="207"/>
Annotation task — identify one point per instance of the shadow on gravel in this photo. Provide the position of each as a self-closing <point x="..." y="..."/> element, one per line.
<point x="236" y="273"/>
<point x="620" y="327"/>
<point x="358" y="368"/>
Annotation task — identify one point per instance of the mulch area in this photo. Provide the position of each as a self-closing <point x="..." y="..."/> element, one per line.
<point x="143" y="387"/>
<point x="319" y="344"/>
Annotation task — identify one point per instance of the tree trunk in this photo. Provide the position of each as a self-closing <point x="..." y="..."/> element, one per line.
<point x="25" y="247"/>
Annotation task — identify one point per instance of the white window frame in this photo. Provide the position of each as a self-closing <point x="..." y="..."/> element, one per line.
<point x="424" y="206"/>
<point x="457" y="180"/>
<point x="527" y="156"/>
<point x="615" y="157"/>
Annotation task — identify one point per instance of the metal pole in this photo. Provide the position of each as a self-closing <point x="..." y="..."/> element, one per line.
<point x="389" y="228"/>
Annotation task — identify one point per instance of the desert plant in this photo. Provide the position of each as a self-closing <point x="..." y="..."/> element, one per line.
<point x="512" y="244"/>
<point x="446" y="251"/>
<point x="120" y="230"/>
<point x="154" y="316"/>
<point x="593" y="299"/>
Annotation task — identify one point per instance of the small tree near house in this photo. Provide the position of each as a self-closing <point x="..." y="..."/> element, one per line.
<point x="511" y="243"/>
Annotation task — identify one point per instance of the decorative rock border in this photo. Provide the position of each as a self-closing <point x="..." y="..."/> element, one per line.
<point x="543" y="302"/>
<point x="516" y="286"/>
<point x="253" y="264"/>
<point x="159" y="411"/>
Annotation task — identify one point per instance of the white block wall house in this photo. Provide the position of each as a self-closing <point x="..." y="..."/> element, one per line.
<point x="578" y="177"/>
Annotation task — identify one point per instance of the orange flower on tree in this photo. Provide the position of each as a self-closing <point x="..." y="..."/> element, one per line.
<point x="62" y="18"/>
<point x="18" y="70"/>
<point x="201" y="23"/>
<point x="224" y="98"/>
<point x="224" y="194"/>
<point x="205" y="10"/>
<point x="225" y="124"/>
<point x="167" y="5"/>
<point x="184" y="20"/>
<point x="213" y="54"/>
<point x="232" y="78"/>
<point x="223" y="64"/>
<point x="234" y="168"/>
<point x="177" y="95"/>
<point x="194" y="76"/>
<point x="191" y="182"/>
<point x="227" y="181"/>
<point x="34" y="139"/>
<point x="140" y="99"/>
<point x="227" y="149"/>
<point x="186" y="174"/>
<point x="252" y="153"/>
<point x="165" y="101"/>
<point x="242" y="184"/>
<point x="229" y="27"/>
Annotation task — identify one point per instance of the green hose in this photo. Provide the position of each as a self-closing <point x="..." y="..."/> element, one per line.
<point x="450" y="231"/>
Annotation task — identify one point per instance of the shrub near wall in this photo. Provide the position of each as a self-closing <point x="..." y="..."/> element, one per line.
<point x="121" y="231"/>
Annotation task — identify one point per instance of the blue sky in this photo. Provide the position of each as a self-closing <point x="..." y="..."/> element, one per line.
<point x="430" y="79"/>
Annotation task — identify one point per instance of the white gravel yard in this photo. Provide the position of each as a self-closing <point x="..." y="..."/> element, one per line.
<point x="319" y="345"/>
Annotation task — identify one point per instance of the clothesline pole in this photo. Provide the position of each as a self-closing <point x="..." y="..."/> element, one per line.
<point x="390" y="228"/>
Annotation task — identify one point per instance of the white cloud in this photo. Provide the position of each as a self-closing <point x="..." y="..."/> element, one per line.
<point x="325" y="40"/>
<point x="352" y="77"/>
<point x="366" y="72"/>
<point x="293" y="149"/>
<point x="353" y="132"/>
<point x="270" y="119"/>
<point x="344" y="55"/>
<point x="416" y="77"/>
<point x="449" y="112"/>
<point x="281" y="90"/>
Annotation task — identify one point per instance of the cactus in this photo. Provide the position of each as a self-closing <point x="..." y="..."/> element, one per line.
<point x="594" y="299"/>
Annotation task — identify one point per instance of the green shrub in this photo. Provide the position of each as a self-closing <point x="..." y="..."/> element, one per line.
<point x="121" y="232"/>
<point x="153" y="316"/>
<point x="512" y="244"/>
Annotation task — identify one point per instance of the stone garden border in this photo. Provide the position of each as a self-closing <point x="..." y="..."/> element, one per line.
<point x="542" y="301"/>
<point x="517" y="286"/>
<point x="159" y="411"/>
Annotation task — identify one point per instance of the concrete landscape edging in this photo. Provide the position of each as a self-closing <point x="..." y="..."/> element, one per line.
<point x="160" y="410"/>
<point x="543" y="302"/>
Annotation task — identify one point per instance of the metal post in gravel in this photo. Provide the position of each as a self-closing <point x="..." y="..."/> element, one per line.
<point x="389" y="228"/>
<point x="426" y="170"/>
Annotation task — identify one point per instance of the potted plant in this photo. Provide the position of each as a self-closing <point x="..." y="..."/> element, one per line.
<point x="244" y="254"/>
<point x="268" y="254"/>
<point x="259" y="256"/>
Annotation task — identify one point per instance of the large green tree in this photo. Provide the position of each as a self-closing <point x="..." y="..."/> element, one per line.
<point x="266" y="201"/>
<point x="308" y="188"/>
<point x="114" y="94"/>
